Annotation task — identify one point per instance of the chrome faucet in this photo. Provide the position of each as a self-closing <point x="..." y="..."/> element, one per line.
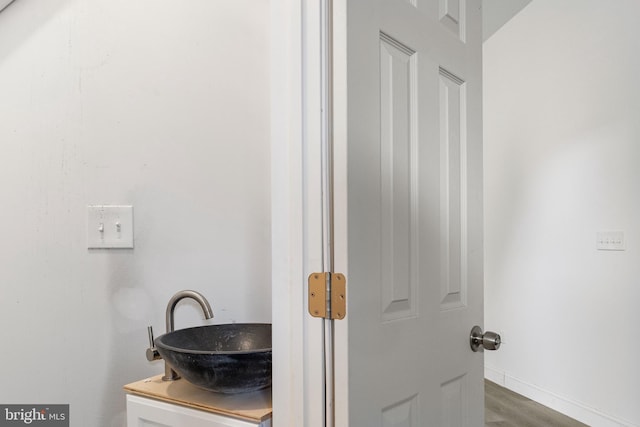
<point x="152" y="354"/>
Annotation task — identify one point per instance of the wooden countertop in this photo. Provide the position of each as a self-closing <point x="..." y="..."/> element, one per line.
<point x="254" y="406"/>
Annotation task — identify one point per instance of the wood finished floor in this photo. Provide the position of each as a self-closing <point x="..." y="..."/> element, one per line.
<point x="505" y="408"/>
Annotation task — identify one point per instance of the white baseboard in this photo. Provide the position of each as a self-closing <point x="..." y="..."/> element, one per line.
<point x="571" y="408"/>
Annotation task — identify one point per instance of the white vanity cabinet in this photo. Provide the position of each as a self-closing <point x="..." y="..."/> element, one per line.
<point x="145" y="412"/>
<point x="153" y="402"/>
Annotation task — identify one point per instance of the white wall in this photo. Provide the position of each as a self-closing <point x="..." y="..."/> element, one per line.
<point x="160" y="104"/>
<point x="495" y="13"/>
<point x="562" y="138"/>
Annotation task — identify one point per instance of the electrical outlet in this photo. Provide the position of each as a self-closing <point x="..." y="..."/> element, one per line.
<point x="109" y="227"/>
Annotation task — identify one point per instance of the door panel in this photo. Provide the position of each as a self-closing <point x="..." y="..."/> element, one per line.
<point x="398" y="146"/>
<point x="412" y="214"/>
<point x="402" y="414"/>
<point x="454" y="394"/>
<point x="453" y="16"/>
<point x="452" y="191"/>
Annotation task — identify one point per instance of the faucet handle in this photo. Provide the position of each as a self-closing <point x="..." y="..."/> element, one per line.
<point x="152" y="352"/>
<point x="150" y="332"/>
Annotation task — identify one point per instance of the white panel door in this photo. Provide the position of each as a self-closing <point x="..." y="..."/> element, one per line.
<point x="408" y="212"/>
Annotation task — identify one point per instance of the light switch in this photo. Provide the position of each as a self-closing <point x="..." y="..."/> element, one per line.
<point x="610" y="241"/>
<point x="109" y="226"/>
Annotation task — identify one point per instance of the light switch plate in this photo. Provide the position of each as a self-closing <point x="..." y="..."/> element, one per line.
<point x="610" y="241"/>
<point x="109" y="226"/>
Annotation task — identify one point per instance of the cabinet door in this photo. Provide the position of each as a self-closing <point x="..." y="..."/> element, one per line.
<point x="143" y="412"/>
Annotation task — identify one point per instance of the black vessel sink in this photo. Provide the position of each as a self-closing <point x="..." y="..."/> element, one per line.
<point x="229" y="358"/>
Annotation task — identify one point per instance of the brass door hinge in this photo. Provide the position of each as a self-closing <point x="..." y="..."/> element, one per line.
<point x="328" y="295"/>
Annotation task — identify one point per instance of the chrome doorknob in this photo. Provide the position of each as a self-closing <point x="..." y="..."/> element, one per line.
<point x="487" y="340"/>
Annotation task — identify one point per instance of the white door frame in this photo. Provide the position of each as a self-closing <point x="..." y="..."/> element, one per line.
<point x="296" y="197"/>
